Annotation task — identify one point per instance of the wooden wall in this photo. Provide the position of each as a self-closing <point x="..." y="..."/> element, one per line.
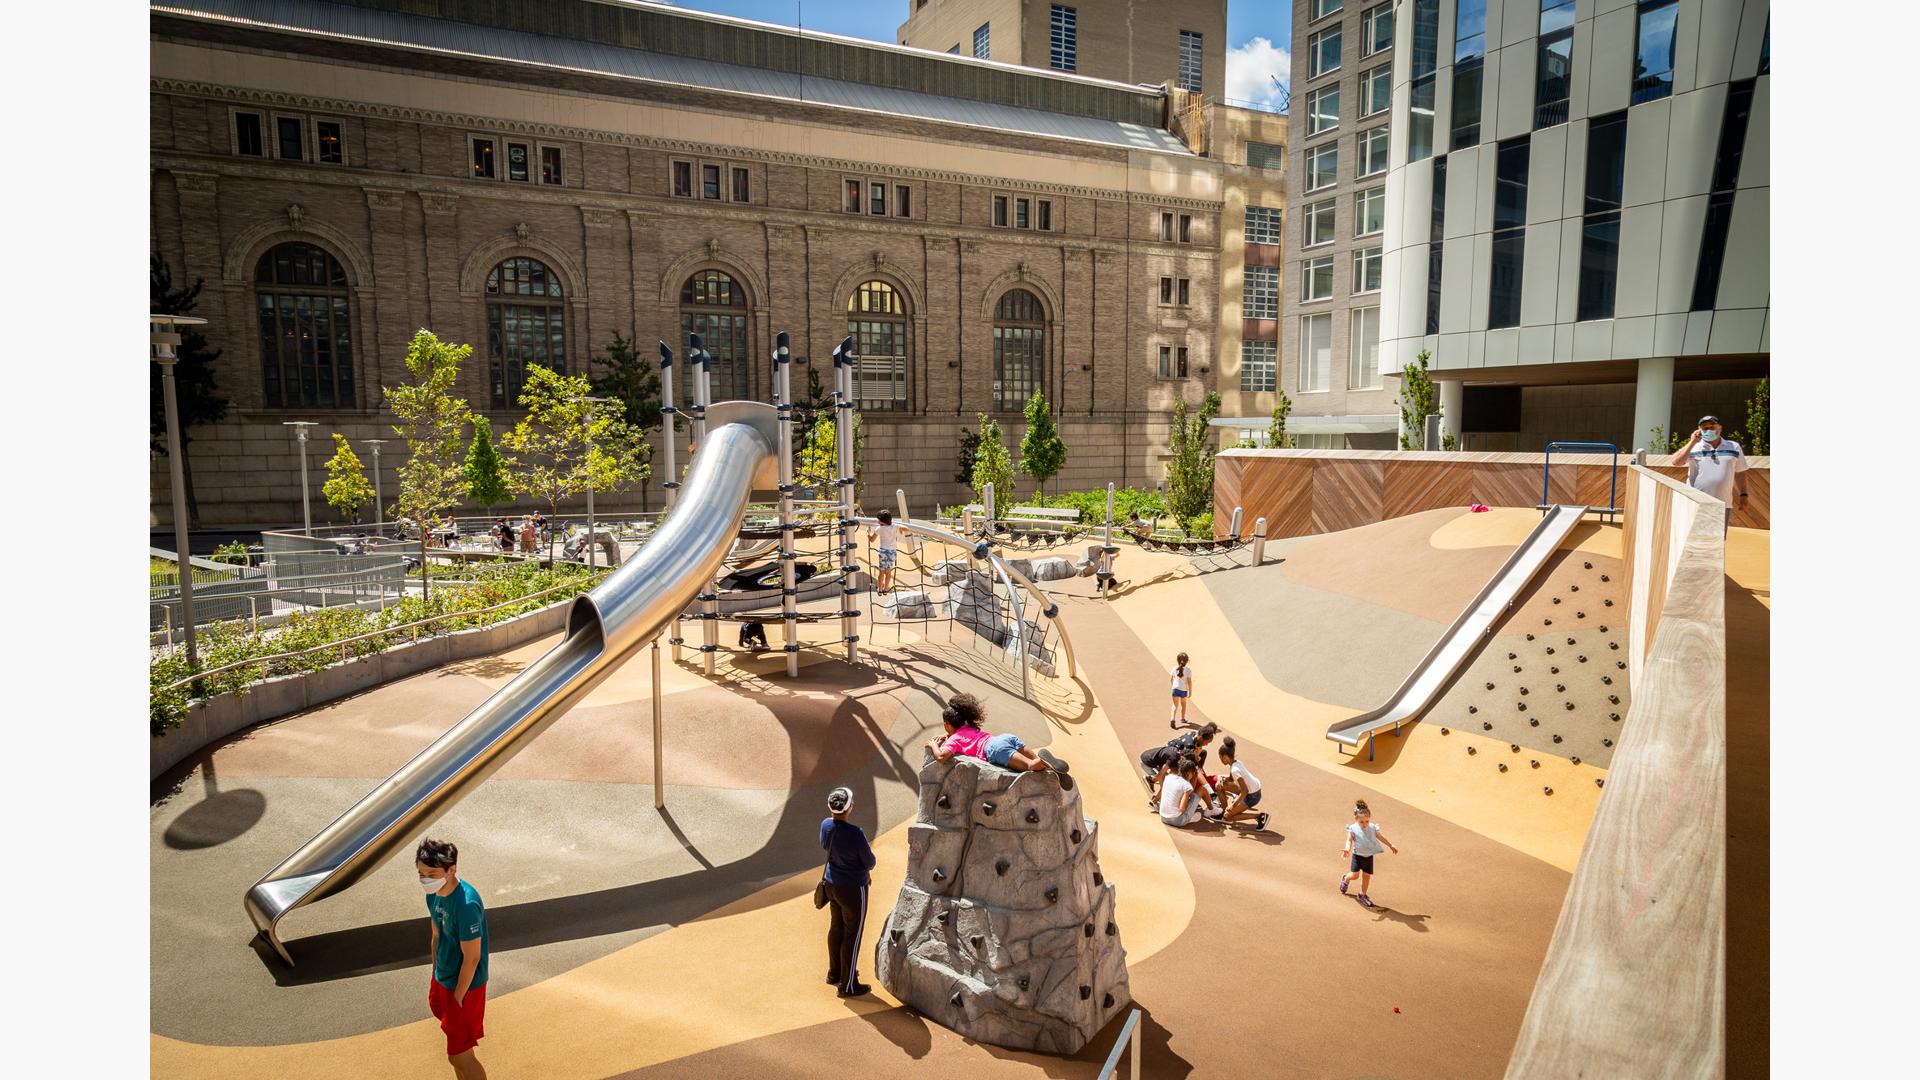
<point x="1301" y="492"/>
<point x="1634" y="983"/>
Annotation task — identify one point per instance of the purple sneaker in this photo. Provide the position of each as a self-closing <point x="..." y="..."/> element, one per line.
<point x="1343" y="886"/>
<point x="1365" y="900"/>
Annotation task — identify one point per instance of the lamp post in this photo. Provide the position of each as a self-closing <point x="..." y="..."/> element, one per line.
<point x="591" y="402"/>
<point x="379" y="512"/>
<point x="306" y="503"/>
<point x="164" y="334"/>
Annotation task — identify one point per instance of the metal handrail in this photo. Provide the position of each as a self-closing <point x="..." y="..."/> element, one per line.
<point x="373" y="568"/>
<point x="1129" y="1037"/>
<point x="1613" y="477"/>
<point x="344" y="642"/>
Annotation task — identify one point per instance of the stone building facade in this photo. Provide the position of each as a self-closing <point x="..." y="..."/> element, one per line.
<point x="643" y="171"/>
<point x="1129" y="41"/>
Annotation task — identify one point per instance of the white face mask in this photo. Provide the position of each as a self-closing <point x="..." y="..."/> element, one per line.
<point x="433" y="884"/>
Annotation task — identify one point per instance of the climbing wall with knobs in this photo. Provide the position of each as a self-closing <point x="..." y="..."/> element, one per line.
<point x="1004" y="929"/>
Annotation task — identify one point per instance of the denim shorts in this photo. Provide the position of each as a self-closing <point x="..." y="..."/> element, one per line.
<point x="1253" y="800"/>
<point x="1000" y="748"/>
<point x="887" y="556"/>
<point x="1362" y="863"/>
<point x="1179" y="693"/>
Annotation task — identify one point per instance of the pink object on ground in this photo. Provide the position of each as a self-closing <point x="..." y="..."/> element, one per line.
<point x="1479" y="508"/>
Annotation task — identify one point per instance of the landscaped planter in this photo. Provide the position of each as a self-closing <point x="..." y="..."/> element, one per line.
<point x="215" y="718"/>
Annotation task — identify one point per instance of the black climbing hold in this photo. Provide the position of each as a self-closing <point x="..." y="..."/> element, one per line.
<point x="1087" y="931"/>
<point x="1487" y="726"/>
<point x="1523" y="706"/>
<point x="1547" y="790"/>
<point x="1604" y="577"/>
<point x="896" y="937"/>
<point x="1582" y="658"/>
<point x="1586" y="565"/>
<point x="943" y="802"/>
<point x="1473" y="708"/>
<point x="1099" y="879"/>
<point x="1085" y="992"/>
<point x="1556" y="599"/>
<point x="1000" y="867"/>
<point x="1524" y="691"/>
<point x="1606" y="680"/>
<point x="1613" y="699"/>
<point x="1599" y="781"/>
<point x="977" y="942"/>
<point x="955" y="999"/>
<point x="1549" y="650"/>
<point x="1569" y="641"/>
<point x="1529" y="637"/>
<point x="1106" y="1002"/>
<point x="1553" y="671"/>
<point x="1559" y="688"/>
<point x="1024" y="981"/>
<point x="1609" y="603"/>
<point x="1033" y="815"/>
<point x="1546" y="622"/>
<point x="1076" y="835"/>
<point x="986" y="808"/>
<point x="1573" y="588"/>
<point x="1053" y="895"/>
<point x="1579" y="614"/>
<point x="941" y="918"/>
<point x="1514" y="746"/>
<point x="939" y="874"/>
<point x="1614" y="716"/>
<point x="1535" y="722"/>
<point x="1489" y="686"/>
<point x="1513" y="656"/>
<point x="1576" y="760"/>
<point x="1569" y="706"/>
<point x="1444" y="731"/>
<point x="1535" y="762"/>
<point x="1603" y="629"/>
<point x="1503" y="766"/>
<point x="1516" y="669"/>
<point x="1615" y="646"/>
<point x="1606" y="742"/>
<point x="1471" y="750"/>
<point x="1556" y="738"/>
<point x="1621" y="664"/>
<point x="1112" y="929"/>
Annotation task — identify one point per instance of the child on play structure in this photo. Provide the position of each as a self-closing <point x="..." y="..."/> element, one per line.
<point x="1182" y="691"/>
<point x="1364" y="840"/>
<point x="886" y="542"/>
<point x="966" y="737"/>
<point x="1157" y="761"/>
<point x="1240" y="786"/>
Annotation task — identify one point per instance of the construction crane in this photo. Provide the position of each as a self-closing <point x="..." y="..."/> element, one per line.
<point x="1285" y="95"/>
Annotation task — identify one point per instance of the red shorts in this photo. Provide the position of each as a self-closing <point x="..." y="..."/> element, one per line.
<point x="463" y="1023"/>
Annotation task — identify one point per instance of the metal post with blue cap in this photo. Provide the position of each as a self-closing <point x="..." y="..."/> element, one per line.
<point x="672" y="485"/>
<point x="789" y="591"/>
<point x="843" y="360"/>
<point x="700" y="370"/>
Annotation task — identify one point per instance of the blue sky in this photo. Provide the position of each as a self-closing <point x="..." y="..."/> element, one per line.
<point x="1258" y="31"/>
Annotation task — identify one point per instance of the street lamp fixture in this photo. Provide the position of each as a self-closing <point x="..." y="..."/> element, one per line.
<point x="306" y="501"/>
<point x="163" y="335"/>
<point x="379" y="512"/>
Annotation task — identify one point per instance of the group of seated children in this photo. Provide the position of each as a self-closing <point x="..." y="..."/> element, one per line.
<point x="963" y="716"/>
<point x="1181" y="790"/>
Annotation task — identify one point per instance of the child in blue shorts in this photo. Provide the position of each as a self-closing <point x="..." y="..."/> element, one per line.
<point x="886" y="543"/>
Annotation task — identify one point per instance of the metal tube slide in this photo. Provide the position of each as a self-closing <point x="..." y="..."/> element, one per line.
<point x="606" y="626"/>
<point x="1450" y="654"/>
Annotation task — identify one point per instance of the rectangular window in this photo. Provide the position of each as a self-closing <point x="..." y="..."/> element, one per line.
<point x="1021" y="211"/>
<point x="1376" y="90"/>
<point x="1323" y="52"/>
<point x="742" y="185"/>
<point x="1363" y="350"/>
<point x="1726" y="177"/>
<point x="1180" y="362"/>
<point x="1186" y="228"/>
<point x="519" y="163"/>
<point x="246" y="135"/>
<point x="1509" y="232"/>
<point x="1553" y="75"/>
<point x="1166" y="290"/>
<point x="1263" y="225"/>
<point x="1266" y="155"/>
<point x="1600" y="229"/>
<point x="850" y="201"/>
<point x="877" y="199"/>
<point x="1425" y="58"/>
<point x="1316" y="351"/>
<point x="483" y="166"/>
<point x="1653" y="50"/>
<point x="1166" y="361"/>
<point x="1000" y="211"/>
<point x="1316" y="278"/>
<point x="1599" y="265"/>
<point x="1323" y="109"/>
<point x="1424" y="63"/>
<point x="550" y="166"/>
<point x="982" y="42"/>
<point x="682" y="178"/>
<point x="1371" y="148"/>
<point x="1316" y="224"/>
<point x="902" y="201"/>
<point x="1324" y="8"/>
<point x="1366" y="270"/>
<point x="1045" y="208"/>
<point x="1370" y="212"/>
<point x="1262" y="293"/>
<point x="1323" y="164"/>
<point x="1436" y="232"/>
<point x="291" y="144"/>
<point x="1190" y="55"/>
<point x="1062" y="50"/>
<point x="1376" y="29"/>
<point x="1185" y="291"/>
<point x="329" y="148"/>
<point x="1469" y="72"/>
<point x="709" y="181"/>
<point x="1166" y="228"/>
<point x="1257" y="364"/>
<point x="1420" y="98"/>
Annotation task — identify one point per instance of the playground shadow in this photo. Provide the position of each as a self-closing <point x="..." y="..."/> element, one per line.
<point x="1417" y="923"/>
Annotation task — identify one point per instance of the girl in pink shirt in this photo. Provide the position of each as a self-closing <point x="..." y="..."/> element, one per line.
<point x="966" y="737"/>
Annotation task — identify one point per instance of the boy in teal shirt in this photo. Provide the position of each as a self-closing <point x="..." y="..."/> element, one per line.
<point x="458" y="992"/>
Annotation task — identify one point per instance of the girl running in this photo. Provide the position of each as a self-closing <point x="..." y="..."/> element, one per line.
<point x="1182" y="691"/>
<point x="1364" y="840"/>
<point x="1241" y="785"/>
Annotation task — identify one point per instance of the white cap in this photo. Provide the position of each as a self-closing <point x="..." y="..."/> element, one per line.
<point x="840" y="800"/>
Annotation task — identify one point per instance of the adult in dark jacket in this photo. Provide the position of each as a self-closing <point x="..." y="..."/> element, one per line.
<point x="849" y="858"/>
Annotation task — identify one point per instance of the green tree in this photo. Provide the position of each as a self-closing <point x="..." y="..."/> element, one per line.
<point x="633" y="381"/>
<point x="486" y="472"/>
<point x="1759" y="440"/>
<point x="809" y="409"/>
<point x="1042" y="453"/>
<point x="1277" y="427"/>
<point x="1417" y="402"/>
<point x="566" y="443"/>
<point x="432" y="421"/>
<point x="818" y="456"/>
<point x="195" y="391"/>
<point x="963" y="461"/>
<point x="1190" y="464"/>
<point x="992" y="464"/>
<point x="347" y="488"/>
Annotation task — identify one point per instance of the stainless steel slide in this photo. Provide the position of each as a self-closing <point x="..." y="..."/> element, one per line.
<point x="1456" y="647"/>
<point x="605" y="627"/>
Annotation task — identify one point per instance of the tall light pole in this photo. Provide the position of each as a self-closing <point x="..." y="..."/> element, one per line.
<point x="591" y="402"/>
<point x="306" y="502"/>
<point x="379" y="512"/>
<point x="164" y="334"/>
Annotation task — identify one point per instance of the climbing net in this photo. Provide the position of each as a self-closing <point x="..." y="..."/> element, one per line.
<point x="936" y="582"/>
<point x="1205" y="555"/>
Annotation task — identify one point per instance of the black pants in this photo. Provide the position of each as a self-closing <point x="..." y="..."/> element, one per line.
<point x="847" y="907"/>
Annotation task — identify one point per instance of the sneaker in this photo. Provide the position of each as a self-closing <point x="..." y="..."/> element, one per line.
<point x="1365" y="900"/>
<point x="1260" y="822"/>
<point x="1053" y="762"/>
<point x="833" y="980"/>
<point x="1343" y="886"/>
<point x="856" y="990"/>
<point x="1147" y="779"/>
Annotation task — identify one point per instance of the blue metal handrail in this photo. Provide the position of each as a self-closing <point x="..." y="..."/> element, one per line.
<point x="1613" y="478"/>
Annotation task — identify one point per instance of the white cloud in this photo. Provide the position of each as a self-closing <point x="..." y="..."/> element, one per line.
<point x="1249" y="66"/>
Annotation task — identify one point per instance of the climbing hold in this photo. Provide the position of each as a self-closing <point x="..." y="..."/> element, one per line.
<point x="1025" y="981"/>
<point x="1523" y="706"/>
<point x="1053" y="895"/>
<point x="1604" y="577"/>
<point x="1529" y="637"/>
<point x="1076" y="835"/>
<point x="1535" y="722"/>
<point x="1503" y="766"/>
<point x="978" y="941"/>
<point x="1547" y="790"/>
<point x="1556" y="599"/>
<point x="1556" y="738"/>
<point x="1033" y="815"/>
<point x="1471" y="750"/>
<point x="1599" y="781"/>
<point x="986" y="808"/>
<point x="1559" y="688"/>
<point x="939" y="874"/>
<point x="1489" y="686"/>
<point x="941" y="918"/>
<point x="943" y="802"/>
<point x="1576" y="760"/>
<point x="1473" y="709"/>
<point x="1603" y="629"/>
<point x="1524" y="691"/>
<point x="1614" y="645"/>
<point x="1579" y="614"/>
<point x="1569" y="641"/>
<point x="1099" y="879"/>
<point x="1514" y="746"/>
<point x="1569" y="706"/>
<point x="1085" y="992"/>
<point x="1553" y="671"/>
<point x="1112" y="929"/>
<point x="1087" y="931"/>
<point x="1609" y="603"/>
<point x="1613" y="699"/>
<point x="896" y="937"/>
<point x="1546" y="622"/>
<point x="1000" y="867"/>
<point x="1614" y="716"/>
<point x="1516" y="669"/>
<point x="1621" y="664"/>
<point x="1549" y="650"/>
<point x="1487" y="726"/>
<point x="1606" y="742"/>
<point x="1587" y="565"/>
<point x="1573" y="588"/>
<point x="1535" y="762"/>
<point x="1106" y="1002"/>
<point x="1513" y="656"/>
<point x="1606" y="680"/>
<point x="955" y="999"/>
<point x="1582" y="658"/>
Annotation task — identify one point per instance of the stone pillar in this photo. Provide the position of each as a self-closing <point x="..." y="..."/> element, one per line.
<point x="1652" y="403"/>
<point x="1453" y="393"/>
<point x="394" y="320"/>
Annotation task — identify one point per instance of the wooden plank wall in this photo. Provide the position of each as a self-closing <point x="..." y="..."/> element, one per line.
<point x="1301" y="492"/>
<point x="1634" y="981"/>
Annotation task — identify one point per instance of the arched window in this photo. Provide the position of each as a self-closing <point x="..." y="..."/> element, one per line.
<point x="306" y="337"/>
<point x="526" y="325"/>
<point x="714" y="306"/>
<point x="877" y="319"/>
<point x="1019" y="349"/>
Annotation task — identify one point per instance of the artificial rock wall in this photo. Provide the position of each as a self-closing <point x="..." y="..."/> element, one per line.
<point x="1004" y="930"/>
